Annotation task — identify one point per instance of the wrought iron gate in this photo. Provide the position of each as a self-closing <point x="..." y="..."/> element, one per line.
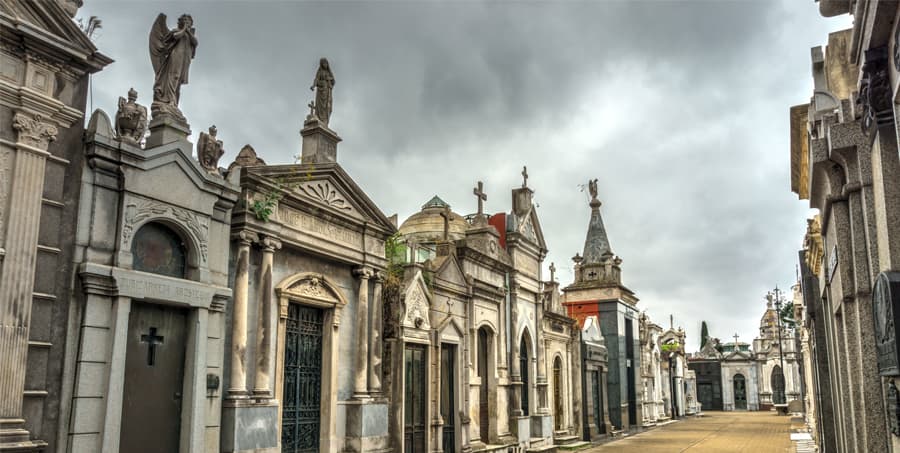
<point x="302" y="380"/>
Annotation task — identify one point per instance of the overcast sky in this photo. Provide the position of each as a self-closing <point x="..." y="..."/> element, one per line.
<point x="679" y="108"/>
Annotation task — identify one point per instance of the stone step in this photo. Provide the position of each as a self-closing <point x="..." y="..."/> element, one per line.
<point x="536" y="442"/>
<point x="492" y="448"/>
<point x="562" y="440"/>
<point x="542" y="449"/>
<point x="574" y="446"/>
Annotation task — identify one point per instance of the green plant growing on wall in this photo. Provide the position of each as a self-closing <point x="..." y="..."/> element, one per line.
<point x="670" y="347"/>
<point x="264" y="208"/>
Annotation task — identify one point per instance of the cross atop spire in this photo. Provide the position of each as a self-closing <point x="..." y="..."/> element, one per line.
<point x="735" y="339"/>
<point x="524" y="177"/>
<point x="482" y="197"/>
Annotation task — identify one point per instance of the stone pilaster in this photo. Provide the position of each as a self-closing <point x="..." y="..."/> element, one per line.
<point x="17" y="271"/>
<point x="361" y="375"/>
<point x="266" y="322"/>
<point x="375" y="326"/>
<point x="238" y="383"/>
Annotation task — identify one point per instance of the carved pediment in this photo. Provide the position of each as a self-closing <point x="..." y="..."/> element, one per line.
<point x="416" y="305"/>
<point x="326" y="193"/>
<point x="312" y="288"/>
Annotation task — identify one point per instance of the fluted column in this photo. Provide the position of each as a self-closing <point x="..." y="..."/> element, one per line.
<point x="19" y="248"/>
<point x="360" y="382"/>
<point x="238" y="385"/>
<point x="265" y="351"/>
<point x="375" y="326"/>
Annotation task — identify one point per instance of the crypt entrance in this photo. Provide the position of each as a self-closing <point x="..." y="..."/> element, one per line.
<point x="310" y="307"/>
<point x="740" y="392"/>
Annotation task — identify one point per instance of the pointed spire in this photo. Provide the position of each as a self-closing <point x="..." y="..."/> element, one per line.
<point x="596" y="245"/>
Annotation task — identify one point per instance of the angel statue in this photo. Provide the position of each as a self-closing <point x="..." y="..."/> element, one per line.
<point x="323" y="84"/>
<point x="171" y="52"/>
<point x="592" y="188"/>
<point x="131" y="119"/>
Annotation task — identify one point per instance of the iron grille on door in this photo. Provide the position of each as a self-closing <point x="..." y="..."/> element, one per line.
<point x="302" y="380"/>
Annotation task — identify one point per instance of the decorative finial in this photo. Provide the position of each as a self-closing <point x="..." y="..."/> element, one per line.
<point x="482" y="197"/>
<point x="131" y="119"/>
<point x="524" y="177"/>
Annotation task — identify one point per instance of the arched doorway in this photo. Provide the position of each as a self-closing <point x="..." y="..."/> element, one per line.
<point x="778" y="386"/>
<point x="557" y="394"/>
<point x="484" y="348"/>
<point x="523" y="369"/>
<point x="740" y="392"/>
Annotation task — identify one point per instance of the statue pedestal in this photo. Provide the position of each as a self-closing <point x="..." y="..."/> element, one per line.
<point x="166" y="129"/>
<point x="319" y="142"/>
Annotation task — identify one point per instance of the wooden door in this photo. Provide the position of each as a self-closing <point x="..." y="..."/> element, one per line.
<point x="154" y="379"/>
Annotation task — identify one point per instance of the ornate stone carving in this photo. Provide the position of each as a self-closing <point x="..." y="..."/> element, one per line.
<point x="246" y="158"/>
<point x="171" y="52"/>
<point x="885" y="306"/>
<point x="814" y="245"/>
<point x="131" y="119"/>
<point x="218" y="303"/>
<point x="209" y="150"/>
<point x="35" y="131"/>
<point x="138" y="211"/>
<point x="323" y="85"/>
<point x="323" y="192"/>
<point x="875" y="92"/>
<point x="416" y="315"/>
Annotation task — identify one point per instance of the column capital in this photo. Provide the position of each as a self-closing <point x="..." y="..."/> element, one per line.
<point x="34" y="131"/>
<point x="246" y="237"/>
<point x="270" y="244"/>
<point x="363" y="272"/>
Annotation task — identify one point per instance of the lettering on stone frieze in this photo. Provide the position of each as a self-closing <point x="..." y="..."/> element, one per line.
<point x="157" y="290"/>
<point x="5" y="169"/>
<point x="375" y="246"/>
<point x="885" y="307"/>
<point x="318" y="227"/>
<point x="139" y="210"/>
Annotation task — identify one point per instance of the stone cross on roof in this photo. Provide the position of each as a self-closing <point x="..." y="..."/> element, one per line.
<point x="482" y="197"/>
<point x="736" y="338"/>
<point x="524" y="177"/>
<point x="446" y="215"/>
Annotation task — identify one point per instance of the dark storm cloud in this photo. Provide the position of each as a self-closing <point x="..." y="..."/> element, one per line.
<point x="679" y="108"/>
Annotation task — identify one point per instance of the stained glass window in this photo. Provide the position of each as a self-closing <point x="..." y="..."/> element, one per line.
<point x="159" y="250"/>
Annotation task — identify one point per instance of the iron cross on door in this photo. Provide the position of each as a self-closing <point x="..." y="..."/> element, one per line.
<point x="152" y="340"/>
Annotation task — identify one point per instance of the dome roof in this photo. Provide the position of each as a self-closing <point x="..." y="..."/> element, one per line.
<point x="427" y="225"/>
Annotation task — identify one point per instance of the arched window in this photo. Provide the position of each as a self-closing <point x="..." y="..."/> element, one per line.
<point x="158" y="250"/>
<point x="778" y="386"/>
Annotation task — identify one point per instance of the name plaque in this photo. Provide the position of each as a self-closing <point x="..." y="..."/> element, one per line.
<point x="318" y="227"/>
<point x="150" y="287"/>
<point x="885" y="311"/>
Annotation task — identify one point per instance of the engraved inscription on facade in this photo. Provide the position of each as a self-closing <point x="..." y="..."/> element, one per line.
<point x="307" y="223"/>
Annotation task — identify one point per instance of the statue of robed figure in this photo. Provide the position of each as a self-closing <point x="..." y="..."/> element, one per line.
<point x="323" y="84"/>
<point x="171" y="52"/>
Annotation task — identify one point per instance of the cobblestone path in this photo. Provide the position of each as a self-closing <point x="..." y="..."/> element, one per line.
<point x="715" y="432"/>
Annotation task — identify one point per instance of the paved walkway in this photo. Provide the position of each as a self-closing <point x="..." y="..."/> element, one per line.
<point x="715" y="432"/>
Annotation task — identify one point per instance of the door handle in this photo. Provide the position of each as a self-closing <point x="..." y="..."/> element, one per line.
<point x="177" y="396"/>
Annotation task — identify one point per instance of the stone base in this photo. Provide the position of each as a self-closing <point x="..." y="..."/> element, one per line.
<point x="367" y="426"/>
<point x="165" y="129"/>
<point x="248" y="427"/>
<point x="319" y="143"/>
<point x="523" y="429"/>
<point x="542" y="426"/>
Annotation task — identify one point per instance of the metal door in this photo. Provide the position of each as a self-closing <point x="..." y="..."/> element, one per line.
<point x="598" y="402"/>
<point x="740" y="392"/>
<point x="557" y="394"/>
<point x="778" y="386"/>
<point x="483" y="418"/>
<point x="302" y="380"/>
<point x="448" y="397"/>
<point x="154" y="379"/>
<point x="705" y="395"/>
<point x="414" y="400"/>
